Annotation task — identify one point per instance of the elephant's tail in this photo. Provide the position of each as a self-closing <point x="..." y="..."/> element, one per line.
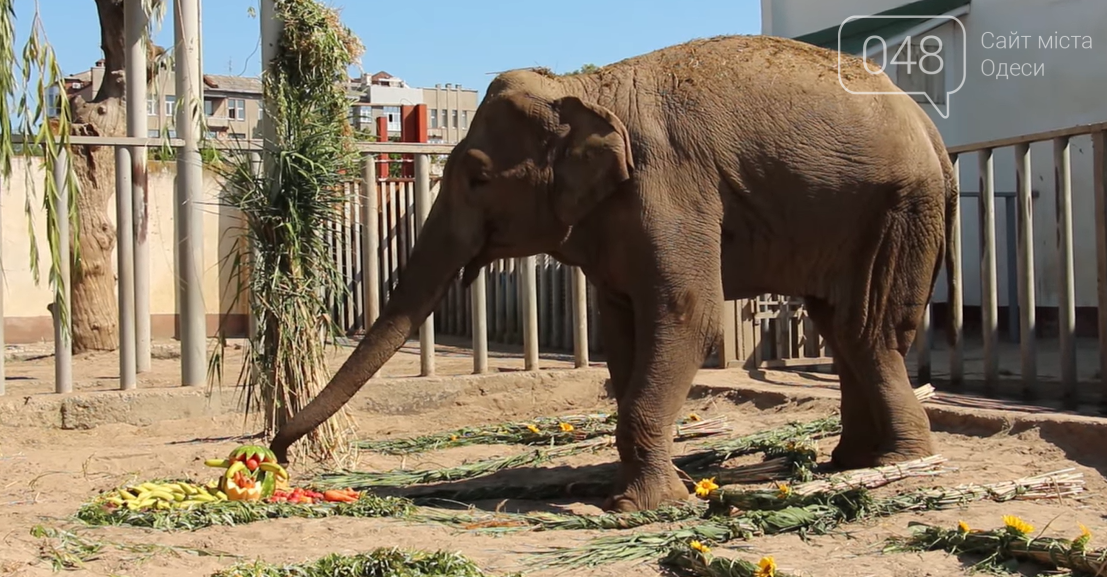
<point x="953" y="271"/>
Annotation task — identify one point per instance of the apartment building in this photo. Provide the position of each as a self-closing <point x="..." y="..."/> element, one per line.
<point x="232" y="104"/>
<point x="449" y="106"/>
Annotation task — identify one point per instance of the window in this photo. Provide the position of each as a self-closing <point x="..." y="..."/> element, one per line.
<point x="151" y="106"/>
<point x="170" y="105"/>
<point x="913" y="78"/>
<point x="236" y="109"/>
<point x="53" y="108"/>
<point x="365" y="116"/>
<point x="238" y="135"/>
<point x="209" y="107"/>
<point x="153" y="133"/>
<point x="261" y="109"/>
<point x="434" y="118"/>
<point x="465" y="120"/>
<point x="393" y="114"/>
<point x="455" y="119"/>
<point x="445" y="119"/>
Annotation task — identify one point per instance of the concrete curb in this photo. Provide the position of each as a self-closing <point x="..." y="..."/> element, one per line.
<point x="398" y="396"/>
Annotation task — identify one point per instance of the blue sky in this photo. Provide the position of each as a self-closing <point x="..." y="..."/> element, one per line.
<point x="435" y="41"/>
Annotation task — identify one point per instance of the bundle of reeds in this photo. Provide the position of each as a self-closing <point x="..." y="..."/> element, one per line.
<point x="818" y="490"/>
<point x="793" y="459"/>
<point x="1012" y="541"/>
<point x="401" y="478"/>
<point x="695" y="560"/>
<point x="817" y="517"/>
<point x="240" y="513"/>
<point x="382" y="562"/>
<point x="815" y="492"/>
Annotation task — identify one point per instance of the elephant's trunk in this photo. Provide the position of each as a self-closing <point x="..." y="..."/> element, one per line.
<point x="447" y="242"/>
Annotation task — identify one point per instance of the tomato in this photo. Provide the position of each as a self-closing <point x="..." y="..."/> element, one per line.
<point x="252" y="464"/>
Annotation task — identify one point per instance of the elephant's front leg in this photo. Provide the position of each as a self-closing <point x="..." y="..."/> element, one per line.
<point x="675" y="325"/>
<point x="617" y="327"/>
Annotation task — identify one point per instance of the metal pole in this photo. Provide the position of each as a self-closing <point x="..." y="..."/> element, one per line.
<point x="1027" y="304"/>
<point x="988" y="270"/>
<point x="136" y="23"/>
<point x="479" y="300"/>
<point x="530" y="313"/>
<point x="252" y="319"/>
<point x="1062" y="174"/>
<point x="580" y="318"/>
<point x="370" y="240"/>
<point x="3" y="345"/>
<point x="63" y="343"/>
<point x="124" y="253"/>
<point x="422" y="209"/>
<point x="190" y="225"/>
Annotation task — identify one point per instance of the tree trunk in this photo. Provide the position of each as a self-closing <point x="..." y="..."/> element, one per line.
<point x="94" y="312"/>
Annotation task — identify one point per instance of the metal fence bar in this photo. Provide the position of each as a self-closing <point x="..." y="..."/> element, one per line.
<point x="1027" y="304"/>
<point x="422" y="209"/>
<point x="3" y="343"/>
<point x="1066" y="314"/>
<point x="479" y="297"/>
<point x="135" y="22"/>
<point x="956" y="299"/>
<point x="63" y="342"/>
<point x="988" y="298"/>
<point x="529" y="285"/>
<point x="1011" y="243"/>
<point x="190" y="225"/>
<point x="125" y="259"/>
<point x="1099" y="187"/>
<point x="580" y="318"/>
<point x="370" y="241"/>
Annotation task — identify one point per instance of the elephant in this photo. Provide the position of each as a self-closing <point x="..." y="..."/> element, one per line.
<point x="712" y="170"/>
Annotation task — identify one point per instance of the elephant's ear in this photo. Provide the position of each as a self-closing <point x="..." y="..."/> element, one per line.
<point x="590" y="161"/>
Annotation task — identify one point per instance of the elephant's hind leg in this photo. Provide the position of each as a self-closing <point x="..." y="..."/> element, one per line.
<point x="875" y="328"/>
<point x="860" y="432"/>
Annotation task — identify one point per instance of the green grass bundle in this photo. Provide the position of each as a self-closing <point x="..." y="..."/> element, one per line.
<point x="240" y="513"/>
<point x="548" y="521"/>
<point x="825" y="513"/>
<point x="547" y="431"/>
<point x="382" y="562"/>
<point x="401" y="478"/>
<point x="1011" y="543"/>
<point x="695" y="560"/>
<point x="540" y="431"/>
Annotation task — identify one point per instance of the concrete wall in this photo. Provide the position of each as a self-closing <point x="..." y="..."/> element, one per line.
<point x="25" y="316"/>
<point x="1069" y="93"/>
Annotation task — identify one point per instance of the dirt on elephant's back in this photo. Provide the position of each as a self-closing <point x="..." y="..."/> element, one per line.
<point x="50" y="472"/>
<point x="770" y="56"/>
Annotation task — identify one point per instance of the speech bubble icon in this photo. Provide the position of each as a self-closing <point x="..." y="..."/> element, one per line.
<point x="926" y="56"/>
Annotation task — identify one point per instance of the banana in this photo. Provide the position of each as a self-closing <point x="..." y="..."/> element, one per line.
<point x="143" y="503"/>
<point x="276" y="469"/>
<point x="221" y="495"/>
<point x="127" y="495"/>
<point x="188" y="488"/>
<point x="159" y="494"/>
<point x="203" y="498"/>
<point x="150" y="486"/>
<point x="224" y="463"/>
<point x="115" y="501"/>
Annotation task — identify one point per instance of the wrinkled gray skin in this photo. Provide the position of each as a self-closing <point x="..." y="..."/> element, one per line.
<point x="717" y="169"/>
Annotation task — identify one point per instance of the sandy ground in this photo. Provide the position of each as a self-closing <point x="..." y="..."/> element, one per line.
<point x="48" y="473"/>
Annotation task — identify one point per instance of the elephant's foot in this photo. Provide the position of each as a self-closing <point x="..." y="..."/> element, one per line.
<point x="854" y="456"/>
<point x="647" y="491"/>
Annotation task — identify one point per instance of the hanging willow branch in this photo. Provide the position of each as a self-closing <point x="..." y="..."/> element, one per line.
<point x="30" y="85"/>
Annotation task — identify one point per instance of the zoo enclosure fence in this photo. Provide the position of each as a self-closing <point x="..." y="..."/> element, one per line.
<point x="539" y="303"/>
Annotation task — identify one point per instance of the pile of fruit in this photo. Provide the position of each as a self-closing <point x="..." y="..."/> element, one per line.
<point x="161" y="496"/>
<point x="251" y="474"/>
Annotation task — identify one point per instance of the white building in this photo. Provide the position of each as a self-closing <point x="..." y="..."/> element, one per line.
<point x="1054" y="76"/>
